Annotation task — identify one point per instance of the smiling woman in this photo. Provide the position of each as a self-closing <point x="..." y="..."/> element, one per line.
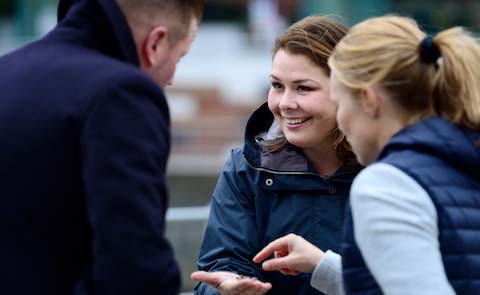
<point x="309" y="42"/>
<point x="299" y="100"/>
<point x="292" y="175"/>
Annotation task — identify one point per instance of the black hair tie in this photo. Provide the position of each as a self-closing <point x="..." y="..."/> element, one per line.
<point x="429" y="51"/>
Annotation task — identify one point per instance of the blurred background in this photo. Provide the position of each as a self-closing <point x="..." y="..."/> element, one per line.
<point x="222" y="80"/>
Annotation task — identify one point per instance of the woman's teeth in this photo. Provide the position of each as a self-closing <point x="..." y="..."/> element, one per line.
<point x="296" y="121"/>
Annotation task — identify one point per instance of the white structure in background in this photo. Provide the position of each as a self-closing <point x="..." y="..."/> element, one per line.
<point x="194" y="213"/>
<point x="223" y="57"/>
<point x="265" y="22"/>
<point x="46" y="20"/>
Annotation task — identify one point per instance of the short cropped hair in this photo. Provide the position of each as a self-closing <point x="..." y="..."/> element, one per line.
<point x="175" y="14"/>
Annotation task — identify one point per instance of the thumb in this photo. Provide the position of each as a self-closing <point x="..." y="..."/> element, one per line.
<point x="206" y="277"/>
<point x="278" y="263"/>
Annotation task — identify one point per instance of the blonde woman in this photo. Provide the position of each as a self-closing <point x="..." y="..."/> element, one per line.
<point x="409" y="105"/>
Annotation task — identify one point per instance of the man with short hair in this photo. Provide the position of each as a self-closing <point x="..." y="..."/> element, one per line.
<point x="85" y="141"/>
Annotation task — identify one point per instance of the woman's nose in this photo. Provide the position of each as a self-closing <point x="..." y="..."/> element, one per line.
<point x="287" y="102"/>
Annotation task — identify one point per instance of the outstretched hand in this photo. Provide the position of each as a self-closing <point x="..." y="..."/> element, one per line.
<point x="229" y="283"/>
<point x="292" y="255"/>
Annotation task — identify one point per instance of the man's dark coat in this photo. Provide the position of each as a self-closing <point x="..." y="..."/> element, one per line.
<point x="85" y="140"/>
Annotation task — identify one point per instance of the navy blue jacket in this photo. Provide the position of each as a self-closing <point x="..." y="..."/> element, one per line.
<point x="262" y="196"/>
<point x="85" y="141"/>
<point x="445" y="160"/>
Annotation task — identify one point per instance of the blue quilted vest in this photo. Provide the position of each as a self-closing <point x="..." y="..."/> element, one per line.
<point x="445" y="160"/>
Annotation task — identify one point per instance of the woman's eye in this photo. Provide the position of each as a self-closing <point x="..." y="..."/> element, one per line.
<point x="303" y="88"/>
<point x="276" y="85"/>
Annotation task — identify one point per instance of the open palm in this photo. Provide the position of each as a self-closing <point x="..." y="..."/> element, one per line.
<point x="229" y="283"/>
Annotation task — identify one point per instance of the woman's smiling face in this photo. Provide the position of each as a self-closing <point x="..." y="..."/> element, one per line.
<point x="299" y="99"/>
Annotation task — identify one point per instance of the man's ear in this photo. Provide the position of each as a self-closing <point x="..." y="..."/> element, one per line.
<point x="156" y="45"/>
<point x="371" y="101"/>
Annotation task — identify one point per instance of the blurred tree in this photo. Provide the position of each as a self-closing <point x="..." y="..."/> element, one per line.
<point x="225" y="10"/>
<point x="27" y="13"/>
<point x="309" y="7"/>
<point x="351" y="11"/>
<point x="432" y="15"/>
<point x="360" y="10"/>
<point x="237" y="10"/>
<point x="6" y="7"/>
<point x="25" y="16"/>
<point x="438" y="15"/>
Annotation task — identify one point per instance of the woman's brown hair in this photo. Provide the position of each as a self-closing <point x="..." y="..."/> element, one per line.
<point x="314" y="37"/>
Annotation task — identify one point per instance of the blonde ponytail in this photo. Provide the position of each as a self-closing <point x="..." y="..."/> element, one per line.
<point x="386" y="51"/>
<point x="457" y="86"/>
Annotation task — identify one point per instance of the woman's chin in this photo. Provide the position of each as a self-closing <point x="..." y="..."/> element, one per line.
<point x="298" y="142"/>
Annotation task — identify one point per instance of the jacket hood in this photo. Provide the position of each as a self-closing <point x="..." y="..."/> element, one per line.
<point x="459" y="147"/>
<point x="258" y="123"/>
<point x="258" y="129"/>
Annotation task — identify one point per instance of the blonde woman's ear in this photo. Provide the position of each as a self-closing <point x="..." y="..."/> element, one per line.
<point x="371" y="100"/>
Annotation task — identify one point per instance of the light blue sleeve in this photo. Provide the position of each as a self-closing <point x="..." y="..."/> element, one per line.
<point x="396" y="230"/>
<point x="327" y="276"/>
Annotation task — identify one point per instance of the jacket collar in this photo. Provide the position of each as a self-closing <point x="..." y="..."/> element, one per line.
<point x="258" y="123"/>
<point x="104" y="20"/>
<point x="63" y="7"/>
<point x="255" y="150"/>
